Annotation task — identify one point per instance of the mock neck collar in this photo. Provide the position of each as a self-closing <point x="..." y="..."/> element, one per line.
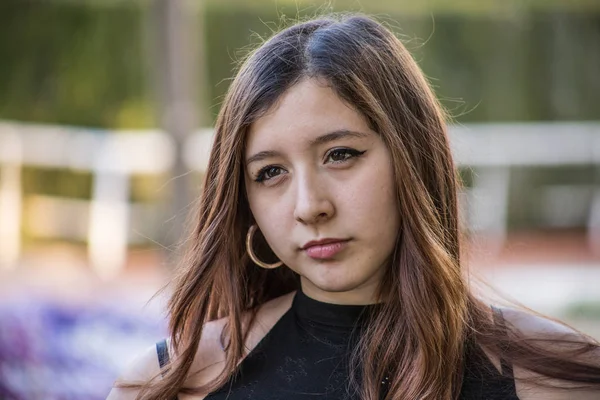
<point x="329" y="314"/>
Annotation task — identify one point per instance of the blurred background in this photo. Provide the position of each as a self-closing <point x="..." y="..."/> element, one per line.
<point x="106" y="109"/>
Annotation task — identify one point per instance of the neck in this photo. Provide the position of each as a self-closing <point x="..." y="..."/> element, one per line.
<point x="358" y="296"/>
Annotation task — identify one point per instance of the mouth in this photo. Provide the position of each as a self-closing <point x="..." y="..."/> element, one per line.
<point x="325" y="248"/>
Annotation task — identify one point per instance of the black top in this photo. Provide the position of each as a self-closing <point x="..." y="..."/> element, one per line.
<point x="306" y="355"/>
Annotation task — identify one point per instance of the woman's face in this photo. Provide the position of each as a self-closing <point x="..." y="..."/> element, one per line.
<point x="321" y="189"/>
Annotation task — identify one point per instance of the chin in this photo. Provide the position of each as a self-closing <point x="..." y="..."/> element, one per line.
<point x="335" y="285"/>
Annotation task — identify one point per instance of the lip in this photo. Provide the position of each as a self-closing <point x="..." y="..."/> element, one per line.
<point x="324" y="248"/>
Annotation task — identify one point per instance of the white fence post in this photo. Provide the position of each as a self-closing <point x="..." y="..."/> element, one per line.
<point x="594" y="217"/>
<point x="11" y="153"/>
<point x="488" y="203"/>
<point x="109" y="221"/>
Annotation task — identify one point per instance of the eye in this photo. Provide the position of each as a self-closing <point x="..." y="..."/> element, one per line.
<point x="341" y="155"/>
<point x="268" y="172"/>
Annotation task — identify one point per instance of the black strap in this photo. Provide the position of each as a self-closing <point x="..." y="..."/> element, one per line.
<point x="163" y="353"/>
<point x="507" y="368"/>
<point x="162" y="350"/>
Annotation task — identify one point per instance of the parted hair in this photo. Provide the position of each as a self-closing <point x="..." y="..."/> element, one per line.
<point x="428" y="312"/>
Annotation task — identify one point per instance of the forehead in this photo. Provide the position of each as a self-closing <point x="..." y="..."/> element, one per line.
<point x="305" y="111"/>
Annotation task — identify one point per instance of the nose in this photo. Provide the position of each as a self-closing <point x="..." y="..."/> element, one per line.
<point x="313" y="201"/>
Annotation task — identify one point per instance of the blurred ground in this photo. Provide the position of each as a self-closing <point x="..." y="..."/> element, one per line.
<point x="65" y="334"/>
<point x="556" y="274"/>
<point x="53" y="300"/>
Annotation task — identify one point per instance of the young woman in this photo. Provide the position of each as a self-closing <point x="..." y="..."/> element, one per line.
<point x="325" y="262"/>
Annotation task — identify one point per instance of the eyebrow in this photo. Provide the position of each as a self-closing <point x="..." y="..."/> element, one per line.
<point x="326" y="138"/>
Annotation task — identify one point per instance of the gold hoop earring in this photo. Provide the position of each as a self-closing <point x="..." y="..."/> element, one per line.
<point x="253" y="256"/>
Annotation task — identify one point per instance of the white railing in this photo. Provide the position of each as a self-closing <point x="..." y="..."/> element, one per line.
<point x="112" y="158"/>
<point x="492" y="149"/>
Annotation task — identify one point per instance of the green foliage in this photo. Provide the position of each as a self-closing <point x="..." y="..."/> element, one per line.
<point x="72" y="64"/>
<point x="57" y="182"/>
<point x="523" y="67"/>
<point x="418" y="8"/>
<point x="85" y="64"/>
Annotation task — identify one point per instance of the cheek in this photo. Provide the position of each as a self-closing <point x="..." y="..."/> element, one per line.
<point x="372" y="196"/>
<point x="271" y="216"/>
<point x="375" y="212"/>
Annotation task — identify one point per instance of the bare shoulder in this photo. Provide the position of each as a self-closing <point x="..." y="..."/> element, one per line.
<point x="267" y="316"/>
<point x="210" y="357"/>
<point x="533" y="325"/>
<point x="143" y="368"/>
<point x="538" y="327"/>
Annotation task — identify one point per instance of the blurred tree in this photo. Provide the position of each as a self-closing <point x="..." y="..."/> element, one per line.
<point x="86" y="63"/>
<point x="73" y="64"/>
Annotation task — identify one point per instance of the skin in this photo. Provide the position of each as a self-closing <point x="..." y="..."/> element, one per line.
<point x="315" y="185"/>
<point x="313" y="194"/>
<point x="210" y="354"/>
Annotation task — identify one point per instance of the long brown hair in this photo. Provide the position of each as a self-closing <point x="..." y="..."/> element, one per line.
<point x="427" y="306"/>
